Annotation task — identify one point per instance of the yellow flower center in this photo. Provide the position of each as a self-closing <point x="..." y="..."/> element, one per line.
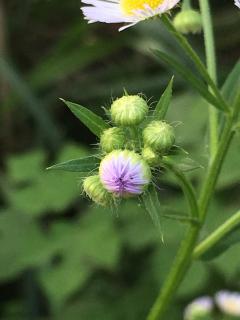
<point x="129" y="6"/>
<point x="233" y="306"/>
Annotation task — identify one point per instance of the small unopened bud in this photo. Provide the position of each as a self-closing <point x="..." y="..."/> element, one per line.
<point x="95" y="190"/>
<point x="129" y="110"/>
<point x="199" y="309"/>
<point x="159" y="136"/>
<point x="188" y="21"/>
<point x="124" y="173"/>
<point x="150" y="156"/>
<point x="112" y="139"/>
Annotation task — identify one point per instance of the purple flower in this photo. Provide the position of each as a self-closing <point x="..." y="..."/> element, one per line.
<point x="229" y="302"/>
<point x="124" y="173"/>
<point x="237" y="3"/>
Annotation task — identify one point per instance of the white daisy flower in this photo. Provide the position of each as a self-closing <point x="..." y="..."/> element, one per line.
<point x="229" y="302"/>
<point x="237" y="3"/>
<point x="124" y="11"/>
<point x="199" y="307"/>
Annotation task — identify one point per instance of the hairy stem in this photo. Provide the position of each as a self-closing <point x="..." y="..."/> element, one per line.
<point x="218" y="152"/>
<point x="177" y="273"/>
<point x="184" y="256"/>
<point x="212" y="70"/>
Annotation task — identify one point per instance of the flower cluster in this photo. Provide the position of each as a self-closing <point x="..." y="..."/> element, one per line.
<point x="129" y="149"/>
<point x="227" y="302"/>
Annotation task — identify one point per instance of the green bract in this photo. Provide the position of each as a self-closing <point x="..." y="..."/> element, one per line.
<point x="150" y="156"/>
<point x="129" y="110"/>
<point x="159" y="135"/>
<point x="112" y="139"/>
<point x="188" y="21"/>
<point x="95" y="190"/>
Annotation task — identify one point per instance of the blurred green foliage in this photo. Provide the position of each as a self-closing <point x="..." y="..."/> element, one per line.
<point x="60" y="256"/>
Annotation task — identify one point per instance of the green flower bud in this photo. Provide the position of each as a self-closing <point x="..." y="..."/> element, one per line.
<point x="95" y="191"/>
<point x="150" y="156"/>
<point x="112" y="139"/>
<point x="129" y="110"/>
<point x="159" y="136"/>
<point x="188" y="21"/>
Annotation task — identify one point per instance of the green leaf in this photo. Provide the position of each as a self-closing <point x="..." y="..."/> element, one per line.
<point x="232" y="83"/>
<point x="92" y="121"/>
<point x="85" y="246"/>
<point x="86" y="164"/>
<point x="25" y="166"/>
<point x="183" y="42"/>
<point x="188" y="76"/>
<point x="153" y="206"/>
<point x="164" y="102"/>
<point x="23" y="245"/>
<point x="35" y="192"/>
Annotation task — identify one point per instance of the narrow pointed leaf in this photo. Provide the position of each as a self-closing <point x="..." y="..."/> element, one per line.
<point x="183" y="42"/>
<point x="92" y="121"/>
<point x="189" y="77"/>
<point x="86" y="164"/>
<point x="153" y="207"/>
<point x="164" y="102"/>
<point x="232" y="83"/>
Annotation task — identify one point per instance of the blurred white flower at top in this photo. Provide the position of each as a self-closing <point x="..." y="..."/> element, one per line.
<point x="237" y="3"/>
<point x="198" y="308"/>
<point x="229" y="302"/>
<point x="125" y="11"/>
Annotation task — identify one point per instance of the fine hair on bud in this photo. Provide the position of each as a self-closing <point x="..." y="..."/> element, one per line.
<point x="188" y="21"/>
<point x="112" y="139"/>
<point x="150" y="156"/>
<point x="159" y="136"/>
<point x="129" y="110"/>
<point x="94" y="189"/>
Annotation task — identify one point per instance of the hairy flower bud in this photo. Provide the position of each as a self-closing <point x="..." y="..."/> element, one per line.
<point x="124" y="173"/>
<point x="159" y="136"/>
<point x="199" y="309"/>
<point x="150" y="156"/>
<point x="129" y="110"/>
<point x="188" y="21"/>
<point x="112" y="139"/>
<point x="95" y="190"/>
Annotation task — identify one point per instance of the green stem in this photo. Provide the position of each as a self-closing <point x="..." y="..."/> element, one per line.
<point x="177" y="273"/>
<point x="212" y="70"/>
<point x="214" y="169"/>
<point x="217" y="235"/>
<point x="184" y="256"/>
<point x="186" y="5"/>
